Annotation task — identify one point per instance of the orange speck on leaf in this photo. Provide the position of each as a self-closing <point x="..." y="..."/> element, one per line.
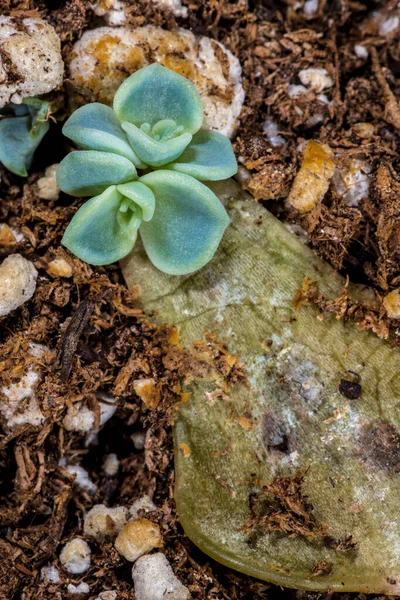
<point x="245" y="423"/>
<point x="184" y="448"/>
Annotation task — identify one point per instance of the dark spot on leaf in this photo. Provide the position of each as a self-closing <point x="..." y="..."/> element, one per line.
<point x="350" y="389"/>
<point x="274" y="433"/>
<point x="348" y="543"/>
<point x="379" y="446"/>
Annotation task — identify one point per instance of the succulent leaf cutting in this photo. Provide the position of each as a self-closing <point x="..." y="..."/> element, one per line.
<point x="22" y="128"/>
<point x="143" y="162"/>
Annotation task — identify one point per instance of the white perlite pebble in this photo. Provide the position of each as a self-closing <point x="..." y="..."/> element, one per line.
<point x="33" y="64"/>
<point x="316" y="79"/>
<point x="108" y="406"/>
<point x="296" y="90"/>
<point x="271" y="129"/>
<point x="102" y="522"/>
<point x="108" y="595"/>
<point x="22" y="406"/>
<point x="75" y="556"/>
<point x="47" y="185"/>
<point x="310" y="7"/>
<point x="82" y="479"/>
<point x="17" y="283"/>
<point x="79" y="418"/>
<point x="50" y="574"/>
<point x="18" y="235"/>
<point x="241" y="176"/>
<point x="323" y="98"/>
<point x="37" y="350"/>
<point x="361" y="51"/>
<point x="315" y="120"/>
<point x="139" y="439"/>
<point x="103" y="58"/>
<point x="388" y="25"/>
<point x="353" y="182"/>
<point x="175" y="6"/>
<point x="111" y="10"/>
<point x="111" y="465"/>
<point x="144" y="503"/>
<point x="154" y="579"/>
<point x="82" y="588"/>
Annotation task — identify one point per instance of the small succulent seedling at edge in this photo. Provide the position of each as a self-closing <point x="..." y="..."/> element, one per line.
<point x="22" y="128"/>
<point x="143" y="161"/>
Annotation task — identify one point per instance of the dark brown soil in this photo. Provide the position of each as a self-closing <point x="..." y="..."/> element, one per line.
<point x="97" y="340"/>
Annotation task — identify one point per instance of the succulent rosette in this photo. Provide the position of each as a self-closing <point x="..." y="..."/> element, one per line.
<point x="143" y="162"/>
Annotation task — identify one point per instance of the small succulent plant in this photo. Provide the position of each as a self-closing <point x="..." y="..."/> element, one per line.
<point x="143" y="161"/>
<point x="22" y="128"/>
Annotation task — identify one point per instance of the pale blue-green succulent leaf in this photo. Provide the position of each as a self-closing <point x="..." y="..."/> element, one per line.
<point x="95" y="234"/>
<point x="153" y="152"/>
<point x="155" y="93"/>
<point x="187" y="226"/>
<point x="89" y="172"/>
<point x="165" y="129"/>
<point x="19" y="110"/>
<point x="38" y="109"/>
<point x="96" y="127"/>
<point x="129" y="217"/>
<point x="16" y="150"/>
<point x="22" y="134"/>
<point x="208" y="157"/>
<point x="141" y="195"/>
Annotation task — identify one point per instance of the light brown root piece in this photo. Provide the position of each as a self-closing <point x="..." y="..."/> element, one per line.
<point x="392" y="109"/>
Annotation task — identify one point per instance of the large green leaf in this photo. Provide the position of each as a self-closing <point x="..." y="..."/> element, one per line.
<point x="155" y="93"/>
<point x="289" y="432"/>
<point x="187" y="225"/>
